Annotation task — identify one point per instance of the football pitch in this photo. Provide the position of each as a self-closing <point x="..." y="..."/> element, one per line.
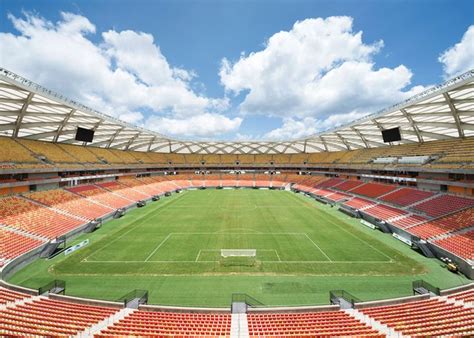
<point x="172" y="248"/>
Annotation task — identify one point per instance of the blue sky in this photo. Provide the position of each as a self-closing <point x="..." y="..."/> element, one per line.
<point x="237" y="69"/>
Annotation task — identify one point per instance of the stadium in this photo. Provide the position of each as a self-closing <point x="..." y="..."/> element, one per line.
<point x="112" y="229"/>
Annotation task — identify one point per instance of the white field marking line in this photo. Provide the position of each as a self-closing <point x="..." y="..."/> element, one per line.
<point x="197" y="257"/>
<point x="239" y="233"/>
<point x="159" y="245"/>
<point x="285" y="262"/>
<point x="276" y="252"/>
<point x="360" y="239"/>
<point x="317" y="246"/>
<point x="225" y="231"/>
<point x="132" y="228"/>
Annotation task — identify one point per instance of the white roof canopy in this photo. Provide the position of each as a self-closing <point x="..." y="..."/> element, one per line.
<point x="28" y="110"/>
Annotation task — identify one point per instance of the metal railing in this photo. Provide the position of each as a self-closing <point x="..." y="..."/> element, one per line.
<point x="335" y="295"/>
<point x="57" y="285"/>
<point x="141" y="296"/>
<point x="418" y="284"/>
<point x="245" y="298"/>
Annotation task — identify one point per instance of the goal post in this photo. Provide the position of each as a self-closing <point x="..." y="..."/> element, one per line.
<point x="238" y="253"/>
<point x="238" y="257"/>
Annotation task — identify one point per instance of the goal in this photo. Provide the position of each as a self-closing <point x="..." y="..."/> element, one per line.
<point x="238" y="257"/>
<point x="238" y="253"/>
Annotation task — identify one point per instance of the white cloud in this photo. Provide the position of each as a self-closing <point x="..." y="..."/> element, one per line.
<point x="203" y="125"/>
<point x="122" y="74"/>
<point x="318" y="68"/>
<point x="300" y="128"/>
<point x="460" y="57"/>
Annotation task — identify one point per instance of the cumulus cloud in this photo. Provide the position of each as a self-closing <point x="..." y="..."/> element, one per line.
<point x="300" y="128"/>
<point x="203" y="125"/>
<point x="318" y="68"/>
<point x="122" y="74"/>
<point x="460" y="57"/>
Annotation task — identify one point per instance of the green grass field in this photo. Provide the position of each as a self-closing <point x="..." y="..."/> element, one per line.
<point x="172" y="249"/>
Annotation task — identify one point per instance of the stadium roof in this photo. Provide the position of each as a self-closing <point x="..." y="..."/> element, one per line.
<point x="31" y="111"/>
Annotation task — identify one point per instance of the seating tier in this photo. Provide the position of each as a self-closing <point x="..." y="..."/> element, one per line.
<point x="46" y="317"/>
<point x="444" y="204"/>
<point x="320" y="324"/>
<point x="147" y="323"/>
<point x="33" y="218"/>
<point x="431" y="317"/>
<point x="13" y="244"/>
<point x="406" y="196"/>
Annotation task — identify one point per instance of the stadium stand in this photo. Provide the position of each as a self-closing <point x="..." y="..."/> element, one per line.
<point x="329" y="183"/>
<point x="14" y="154"/>
<point x="461" y="245"/>
<point x="13" y="244"/>
<point x="432" y="317"/>
<point x="24" y="314"/>
<point x="147" y="323"/>
<point x="33" y="218"/>
<point x="82" y="154"/>
<point x="384" y="212"/>
<point x="406" y="196"/>
<point x="9" y="296"/>
<point x="348" y="185"/>
<point x="321" y="324"/>
<point x="101" y="196"/>
<point x="46" y="317"/>
<point x="372" y="190"/>
<point x="408" y="221"/>
<point x="70" y="203"/>
<point x="443" y="225"/>
<point x="359" y="203"/>
<point x="51" y="151"/>
<point x="124" y="191"/>
<point x="465" y="296"/>
<point x="443" y="204"/>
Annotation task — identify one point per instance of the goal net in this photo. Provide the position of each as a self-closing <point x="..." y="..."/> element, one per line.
<point x="238" y="257"/>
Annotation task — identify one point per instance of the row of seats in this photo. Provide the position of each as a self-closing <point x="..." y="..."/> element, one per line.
<point x="406" y="196"/>
<point x="125" y="191"/>
<point x="71" y="203"/>
<point x="432" y="317"/>
<point x="102" y="196"/>
<point x="20" y="213"/>
<point x="408" y="221"/>
<point x="40" y="316"/>
<point x="444" y="225"/>
<point x="465" y="296"/>
<point x="320" y="324"/>
<point x="454" y="153"/>
<point x="46" y="317"/>
<point x="461" y="245"/>
<point x="8" y="296"/>
<point x="13" y="244"/>
<point x="443" y="204"/>
<point x="373" y="189"/>
<point x="147" y="323"/>
<point x="384" y="212"/>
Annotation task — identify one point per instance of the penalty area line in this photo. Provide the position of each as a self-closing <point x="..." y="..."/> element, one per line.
<point x="317" y="246"/>
<point x="156" y="249"/>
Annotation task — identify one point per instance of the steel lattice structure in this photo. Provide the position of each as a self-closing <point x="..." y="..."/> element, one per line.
<point x="28" y="110"/>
